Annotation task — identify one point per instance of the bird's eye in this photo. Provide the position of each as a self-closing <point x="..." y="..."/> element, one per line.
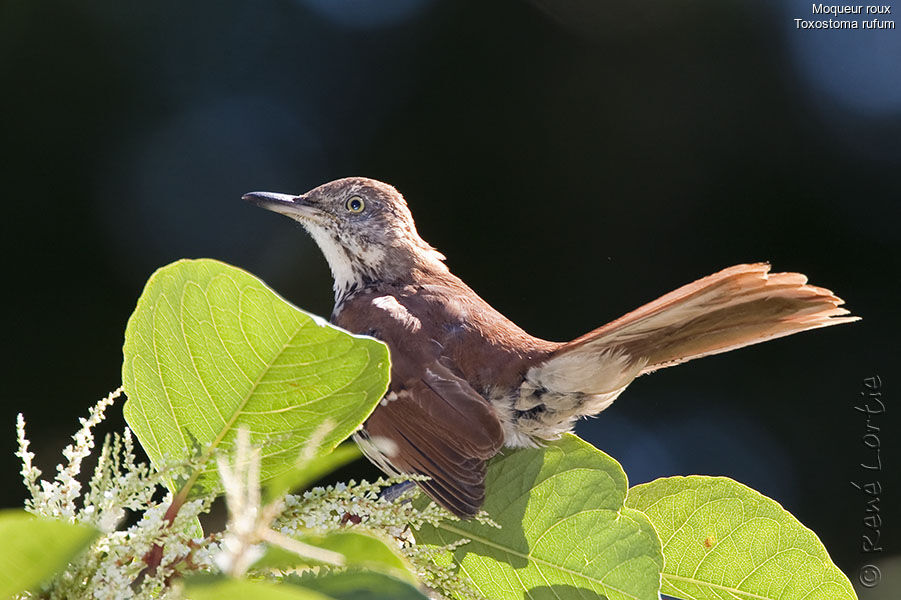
<point x="355" y="204"/>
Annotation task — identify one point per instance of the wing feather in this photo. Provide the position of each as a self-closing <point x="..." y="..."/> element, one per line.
<point x="442" y="428"/>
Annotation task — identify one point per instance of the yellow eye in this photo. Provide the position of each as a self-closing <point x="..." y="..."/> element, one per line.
<point x="355" y="204"/>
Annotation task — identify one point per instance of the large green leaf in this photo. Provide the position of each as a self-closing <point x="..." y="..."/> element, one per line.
<point x="35" y="549"/>
<point x="722" y="539"/>
<point x="564" y="531"/>
<point x="210" y="349"/>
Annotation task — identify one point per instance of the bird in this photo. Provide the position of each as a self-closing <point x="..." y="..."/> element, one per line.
<point x="467" y="382"/>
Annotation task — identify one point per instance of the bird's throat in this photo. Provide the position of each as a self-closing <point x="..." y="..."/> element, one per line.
<point x="348" y="273"/>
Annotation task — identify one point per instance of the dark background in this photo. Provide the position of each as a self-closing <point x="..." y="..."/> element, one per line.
<point x="572" y="159"/>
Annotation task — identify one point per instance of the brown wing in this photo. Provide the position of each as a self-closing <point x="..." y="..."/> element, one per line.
<point x="442" y="428"/>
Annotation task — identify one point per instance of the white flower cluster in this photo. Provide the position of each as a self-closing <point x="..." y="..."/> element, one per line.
<point x="332" y="507"/>
<point x="117" y="561"/>
<point x="362" y="505"/>
<point x="144" y="559"/>
<point x="115" y="567"/>
<point x="56" y="499"/>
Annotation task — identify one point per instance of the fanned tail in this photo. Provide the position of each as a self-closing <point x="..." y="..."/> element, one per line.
<point x="736" y="307"/>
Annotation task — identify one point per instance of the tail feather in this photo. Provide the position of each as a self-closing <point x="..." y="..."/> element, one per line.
<point x="736" y="307"/>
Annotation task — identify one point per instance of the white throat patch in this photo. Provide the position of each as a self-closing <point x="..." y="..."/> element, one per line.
<point x="337" y="257"/>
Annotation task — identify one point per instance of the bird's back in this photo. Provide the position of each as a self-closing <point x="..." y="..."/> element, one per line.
<point x="445" y="320"/>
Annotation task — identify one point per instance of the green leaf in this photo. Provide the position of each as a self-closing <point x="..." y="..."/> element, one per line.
<point x="722" y="539"/>
<point x="305" y="472"/>
<point x="210" y="349"/>
<point x="564" y="531"/>
<point x="359" y="550"/>
<point x="35" y="549"/>
<point x="359" y="585"/>
<point x="208" y="588"/>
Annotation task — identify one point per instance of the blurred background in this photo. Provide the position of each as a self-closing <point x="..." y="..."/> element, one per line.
<point x="573" y="160"/>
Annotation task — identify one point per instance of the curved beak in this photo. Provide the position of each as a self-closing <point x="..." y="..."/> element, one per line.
<point x="284" y="204"/>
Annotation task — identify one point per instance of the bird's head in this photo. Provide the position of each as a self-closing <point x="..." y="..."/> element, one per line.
<point x="362" y="226"/>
